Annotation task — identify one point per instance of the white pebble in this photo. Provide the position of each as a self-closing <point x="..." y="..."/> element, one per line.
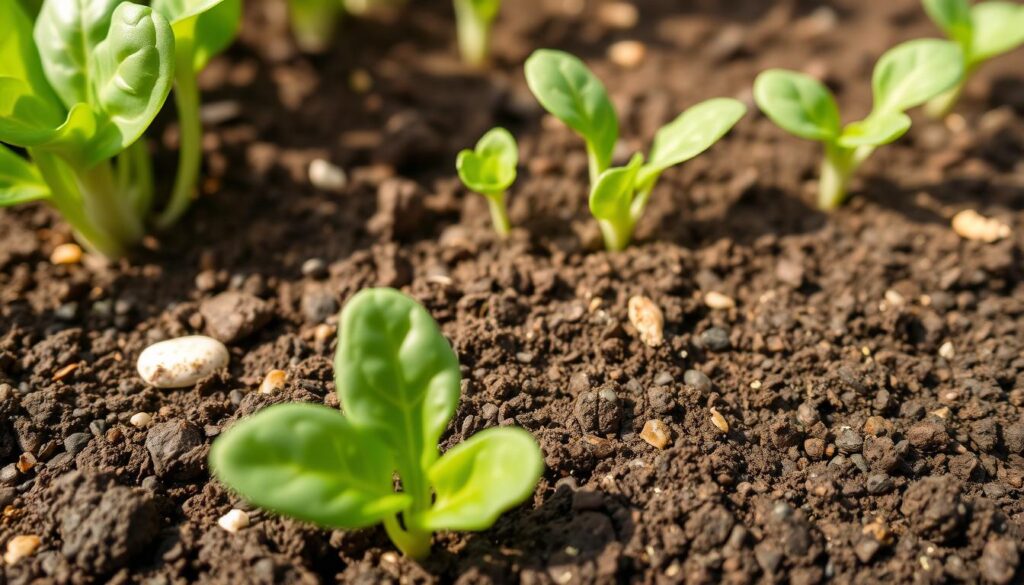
<point x="717" y="300"/>
<point x="181" y="362"/>
<point x="141" y="419"/>
<point x="648" y="320"/>
<point x="971" y="225"/>
<point x="234" y="521"/>
<point x="947" y="351"/>
<point x="326" y="176"/>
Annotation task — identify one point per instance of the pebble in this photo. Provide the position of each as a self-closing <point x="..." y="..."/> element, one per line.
<point x="326" y="176"/>
<point x="879" y="483"/>
<point x="26" y="461"/>
<point x="176" y="449"/>
<point x="181" y="362"/>
<point x="971" y="225"/>
<point x="849" y="441"/>
<point x="232" y="315"/>
<point x="947" y="351"/>
<point x="814" y="447"/>
<point x="627" y="54"/>
<point x="999" y="561"/>
<point x="648" y="319"/>
<point x="656" y="434"/>
<point x="75" y="442"/>
<point x="66" y="254"/>
<point x="141" y="419"/>
<point x="697" y="380"/>
<point x="314" y="268"/>
<point x="234" y="521"/>
<point x="927" y="436"/>
<point x="620" y="15"/>
<point x="717" y="300"/>
<point x="718" y="420"/>
<point x="715" y="339"/>
<point x="21" y="546"/>
<point x="273" y="381"/>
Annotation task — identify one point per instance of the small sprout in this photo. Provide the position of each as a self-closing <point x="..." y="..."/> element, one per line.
<point x="971" y="225"/>
<point x="618" y="197"/>
<point x="490" y="169"/>
<point x="313" y="23"/>
<point x="234" y="521"/>
<point x="983" y="31"/>
<point x="905" y="77"/>
<point x="398" y="382"/>
<point x="646" y="316"/>
<point x="473" y="20"/>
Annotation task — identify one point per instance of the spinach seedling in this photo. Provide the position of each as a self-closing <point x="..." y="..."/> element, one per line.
<point x="398" y="382"/>
<point x="619" y="195"/>
<point x="906" y="76"/>
<point x="490" y="169"/>
<point x="75" y="96"/>
<point x="202" y="29"/>
<point x="473" y="20"/>
<point x="983" y="31"/>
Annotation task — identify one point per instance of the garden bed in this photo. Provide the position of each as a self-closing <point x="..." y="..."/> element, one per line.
<point x="871" y="373"/>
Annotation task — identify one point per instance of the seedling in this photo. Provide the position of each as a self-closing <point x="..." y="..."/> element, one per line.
<point x="905" y="77"/>
<point x="313" y="22"/>
<point x="473" y="20"/>
<point x="983" y="31"/>
<point x="398" y="382"/>
<point x="619" y="196"/>
<point x="490" y="169"/>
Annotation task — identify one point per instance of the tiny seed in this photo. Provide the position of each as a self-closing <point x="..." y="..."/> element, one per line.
<point x="627" y="54"/>
<point x="971" y="225"/>
<point x="718" y="420"/>
<point x="20" y="547"/>
<point x="273" y="382"/>
<point x="234" y="521"/>
<point x="648" y="320"/>
<point x="140" y="419"/>
<point x="26" y="461"/>
<point x="66" y="254"/>
<point x="717" y="300"/>
<point x="656" y="434"/>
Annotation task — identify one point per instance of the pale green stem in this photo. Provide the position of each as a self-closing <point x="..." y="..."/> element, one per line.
<point x="107" y="206"/>
<point x="594" y="164"/>
<point x="617" y="234"/>
<point x="837" y="169"/>
<point x="190" y="141"/>
<point x="415" y="545"/>
<point x="474" y="33"/>
<point x="313" y="23"/>
<point x="412" y="541"/>
<point x="499" y="213"/>
<point x="142" y="168"/>
<point x="939" y="107"/>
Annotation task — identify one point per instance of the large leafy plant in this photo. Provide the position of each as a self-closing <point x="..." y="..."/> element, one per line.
<point x="398" y="381"/>
<point x="906" y="76"/>
<point x="983" y="31"/>
<point x="618" y="197"/>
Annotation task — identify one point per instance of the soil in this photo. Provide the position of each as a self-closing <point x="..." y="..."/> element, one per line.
<point x="871" y="374"/>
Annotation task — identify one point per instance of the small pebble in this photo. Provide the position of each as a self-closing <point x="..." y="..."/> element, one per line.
<point x="971" y="225"/>
<point x="718" y="420"/>
<point x="717" y="300"/>
<point x="66" y="254"/>
<point x="326" y="176"/>
<point x="879" y="483"/>
<point x="849" y="441"/>
<point x="648" y="320"/>
<point x="656" y="434"/>
<point x="697" y="380"/>
<point x="314" y="268"/>
<point x="627" y="54"/>
<point x="323" y="333"/>
<point x="181" y="362"/>
<point x="234" y="521"/>
<point x="620" y="15"/>
<point x="20" y="547"/>
<point x="273" y="382"/>
<point x="141" y="419"/>
<point x="715" y="339"/>
<point x="947" y="351"/>
<point x="26" y="461"/>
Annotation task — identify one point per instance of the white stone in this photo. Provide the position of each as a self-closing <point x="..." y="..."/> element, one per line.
<point x="234" y="521"/>
<point x="181" y="362"/>
<point x="141" y="419"/>
<point x="326" y="176"/>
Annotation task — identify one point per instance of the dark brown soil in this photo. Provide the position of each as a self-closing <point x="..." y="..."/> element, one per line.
<point x="855" y="451"/>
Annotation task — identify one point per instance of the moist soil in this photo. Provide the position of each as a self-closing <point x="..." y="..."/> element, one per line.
<point x="870" y="375"/>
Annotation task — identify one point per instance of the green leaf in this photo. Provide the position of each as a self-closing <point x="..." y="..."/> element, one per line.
<point x="20" y="181"/>
<point x="26" y="119"/>
<point x="490" y="168"/>
<point x="913" y="72"/>
<point x="19" y="58"/>
<point x="485" y="10"/>
<point x="133" y="70"/>
<point x="206" y="27"/>
<point x="570" y="92"/>
<point x="612" y="196"/>
<point x="798" y="103"/>
<point x="481" y="478"/>
<point x="953" y="17"/>
<point x="66" y="33"/>
<point x="998" y="28"/>
<point x="690" y="134"/>
<point x="307" y="461"/>
<point x="396" y="373"/>
<point x="875" y="130"/>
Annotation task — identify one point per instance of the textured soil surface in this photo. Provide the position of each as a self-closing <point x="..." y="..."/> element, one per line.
<point x="870" y="375"/>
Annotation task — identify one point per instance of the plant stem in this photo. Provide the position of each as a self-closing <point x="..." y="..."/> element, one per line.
<point x="190" y="147"/>
<point x="939" y="107"/>
<point x="616" y="234"/>
<point x="313" y="23"/>
<point x="499" y="213"/>
<point x="415" y="545"/>
<point x="594" y="164"/>
<point x="474" y="33"/>
<point x="108" y="206"/>
<point x="837" y="169"/>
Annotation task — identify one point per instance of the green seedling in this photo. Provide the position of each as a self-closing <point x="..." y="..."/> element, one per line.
<point x="906" y="76"/>
<point x="74" y="97"/>
<point x="398" y="382"/>
<point x="490" y="169"/>
<point x="202" y="29"/>
<point x="473" y="20"/>
<point x="983" y="31"/>
<point x="619" y="196"/>
<point x="313" y="23"/>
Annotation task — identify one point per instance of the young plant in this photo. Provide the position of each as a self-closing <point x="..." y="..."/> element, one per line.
<point x="619" y="196"/>
<point x="398" y="382"/>
<point x="490" y="169"/>
<point x="473" y="20"/>
<point x="982" y="31"/>
<point x="313" y="22"/>
<point x="74" y="97"/>
<point x="905" y="77"/>
<point x="202" y="29"/>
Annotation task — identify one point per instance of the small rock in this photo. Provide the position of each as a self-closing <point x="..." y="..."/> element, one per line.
<point x="598" y="412"/>
<point x="715" y="339"/>
<point x="879" y="483"/>
<point x="141" y="419"/>
<point x="231" y="316"/>
<point x="697" y="380"/>
<point x="947" y="351"/>
<point x="718" y="420"/>
<point x="717" y="300"/>
<point x="234" y="521"/>
<point x="849" y="441"/>
<point x="814" y="447"/>
<point x="927" y="436"/>
<point x="326" y="176"/>
<point x="790" y="273"/>
<point x="627" y="54"/>
<point x="26" y="461"/>
<point x="177" y="449"/>
<point x="273" y="382"/>
<point x="934" y="508"/>
<point x="181" y="362"/>
<point x="999" y="560"/>
<point x="75" y="442"/>
<point x="648" y="320"/>
<point x="318" y="303"/>
<point x="314" y="268"/>
<point x="620" y="15"/>
<point x="656" y="434"/>
<point x="866" y="548"/>
<point x="66" y="254"/>
<point x="21" y="546"/>
<point x="971" y="225"/>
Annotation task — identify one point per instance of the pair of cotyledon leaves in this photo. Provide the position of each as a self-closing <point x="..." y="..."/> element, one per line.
<point x="89" y="77"/>
<point x="904" y="77"/>
<point x="398" y="382"/>
<point x="983" y="31"/>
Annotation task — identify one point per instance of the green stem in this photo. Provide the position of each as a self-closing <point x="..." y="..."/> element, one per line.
<point x="594" y="164"/>
<point x="474" y="33"/>
<point x="313" y="23"/>
<point x="190" y="148"/>
<point x="107" y="205"/>
<point x="837" y="169"/>
<point x="617" y="234"/>
<point x="413" y="544"/>
<point x="499" y="213"/>
<point x="939" y="107"/>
